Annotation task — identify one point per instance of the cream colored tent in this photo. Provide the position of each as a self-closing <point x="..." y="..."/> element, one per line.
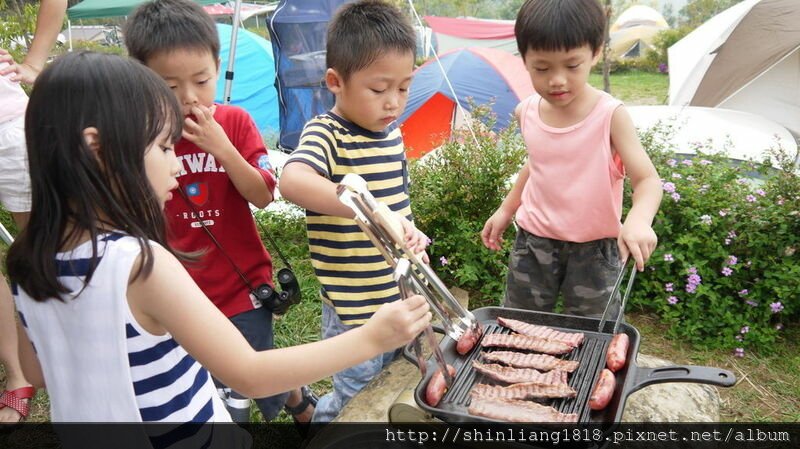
<point x="746" y="58"/>
<point x="632" y="33"/>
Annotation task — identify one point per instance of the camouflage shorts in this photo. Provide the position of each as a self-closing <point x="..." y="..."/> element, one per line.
<point x="584" y="273"/>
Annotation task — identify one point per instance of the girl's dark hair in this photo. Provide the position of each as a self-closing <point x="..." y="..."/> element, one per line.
<point x="76" y="189"/>
<point x="554" y="25"/>
<point x="362" y="31"/>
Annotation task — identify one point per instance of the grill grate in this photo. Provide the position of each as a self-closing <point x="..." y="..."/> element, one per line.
<point x="590" y="355"/>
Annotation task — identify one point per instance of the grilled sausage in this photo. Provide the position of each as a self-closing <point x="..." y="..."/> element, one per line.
<point x="617" y="351"/>
<point x="603" y="391"/>
<point x="469" y="340"/>
<point x="437" y="386"/>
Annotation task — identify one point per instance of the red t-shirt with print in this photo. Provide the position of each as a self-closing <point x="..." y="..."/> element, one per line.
<point x="215" y="200"/>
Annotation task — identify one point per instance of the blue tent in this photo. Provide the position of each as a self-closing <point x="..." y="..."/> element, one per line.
<point x="253" y="85"/>
<point x="298" y="30"/>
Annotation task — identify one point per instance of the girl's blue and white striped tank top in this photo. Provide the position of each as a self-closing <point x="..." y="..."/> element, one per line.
<point x="100" y="365"/>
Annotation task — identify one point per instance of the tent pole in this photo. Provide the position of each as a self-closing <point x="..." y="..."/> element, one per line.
<point x="229" y="72"/>
<point x="69" y="33"/>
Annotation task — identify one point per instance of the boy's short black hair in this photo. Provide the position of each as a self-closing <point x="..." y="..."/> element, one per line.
<point x="554" y="25"/>
<point x="167" y="25"/>
<point x="359" y="32"/>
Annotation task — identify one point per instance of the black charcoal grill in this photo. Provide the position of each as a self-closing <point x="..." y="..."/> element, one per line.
<point x="591" y="355"/>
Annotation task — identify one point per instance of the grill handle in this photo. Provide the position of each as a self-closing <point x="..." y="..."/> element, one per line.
<point x="408" y="352"/>
<point x="644" y="377"/>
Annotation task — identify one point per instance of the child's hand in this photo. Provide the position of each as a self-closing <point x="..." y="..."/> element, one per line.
<point x="638" y="240"/>
<point x="397" y="323"/>
<point x="496" y="225"/>
<point x="415" y="240"/>
<point x="205" y="132"/>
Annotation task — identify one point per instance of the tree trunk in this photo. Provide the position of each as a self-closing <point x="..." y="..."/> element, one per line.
<point x="606" y="48"/>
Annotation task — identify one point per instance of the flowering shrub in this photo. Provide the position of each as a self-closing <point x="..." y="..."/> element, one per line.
<point x="725" y="273"/>
<point x="453" y="192"/>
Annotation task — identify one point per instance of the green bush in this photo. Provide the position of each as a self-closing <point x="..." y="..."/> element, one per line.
<point x="725" y="273"/>
<point x="656" y="59"/>
<point x="454" y="192"/>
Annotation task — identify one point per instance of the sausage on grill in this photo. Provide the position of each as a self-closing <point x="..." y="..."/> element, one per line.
<point x="437" y="386"/>
<point x="469" y="339"/>
<point x="603" y="391"/>
<point x="617" y="352"/>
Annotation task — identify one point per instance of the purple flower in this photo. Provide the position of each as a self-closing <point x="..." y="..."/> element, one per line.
<point x="687" y="162"/>
<point x="750" y="199"/>
<point x="672" y="300"/>
<point x="705" y="162"/>
<point x="663" y="68"/>
<point x="732" y="260"/>
<point x="676" y="176"/>
<point x="668" y="287"/>
<point x="705" y="219"/>
<point x="741" y="181"/>
<point x="732" y="235"/>
<point x="780" y="202"/>
<point x="668" y="258"/>
<point x="739" y="352"/>
<point x="723" y="212"/>
<point x="672" y="162"/>
<point x="776" y="307"/>
<point x="761" y="192"/>
<point x="669" y="187"/>
<point x="727" y="241"/>
<point x="692" y="270"/>
<point x="726" y="271"/>
<point x="744" y="330"/>
<point x="751" y="303"/>
<point x="676" y="196"/>
<point x="430" y="241"/>
<point x="743" y="292"/>
<point x="690" y="288"/>
<point x="443" y="261"/>
<point x="695" y="279"/>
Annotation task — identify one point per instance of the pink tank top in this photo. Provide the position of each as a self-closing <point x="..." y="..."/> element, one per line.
<point x="574" y="191"/>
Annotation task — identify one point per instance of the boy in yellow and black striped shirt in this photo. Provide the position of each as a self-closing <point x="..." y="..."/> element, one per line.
<point x="370" y="59"/>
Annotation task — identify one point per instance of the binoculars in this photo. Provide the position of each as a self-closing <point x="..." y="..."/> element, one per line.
<point x="279" y="302"/>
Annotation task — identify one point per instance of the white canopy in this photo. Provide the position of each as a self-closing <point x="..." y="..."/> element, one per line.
<point x="746" y="58"/>
<point x="744" y="135"/>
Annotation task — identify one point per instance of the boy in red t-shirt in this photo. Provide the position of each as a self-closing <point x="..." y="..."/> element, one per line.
<point x="225" y="167"/>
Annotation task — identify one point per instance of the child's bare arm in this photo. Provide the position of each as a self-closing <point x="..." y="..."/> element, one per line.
<point x="27" y="358"/>
<point x="207" y="134"/>
<point x="496" y="225"/>
<point x="302" y="185"/>
<point x="637" y="237"/>
<point x="168" y="300"/>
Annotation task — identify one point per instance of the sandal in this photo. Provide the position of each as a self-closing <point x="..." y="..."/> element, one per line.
<point x="19" y="400"/>
<point x="307" y="398"/>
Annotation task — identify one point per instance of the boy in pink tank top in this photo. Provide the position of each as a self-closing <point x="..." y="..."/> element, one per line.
<point x="581" y="144"/>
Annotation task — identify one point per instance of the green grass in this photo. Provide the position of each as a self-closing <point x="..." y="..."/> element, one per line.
<point x="636" y="88"/>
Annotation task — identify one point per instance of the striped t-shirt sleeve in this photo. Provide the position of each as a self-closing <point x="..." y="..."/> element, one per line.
<point x="315" y="147"/>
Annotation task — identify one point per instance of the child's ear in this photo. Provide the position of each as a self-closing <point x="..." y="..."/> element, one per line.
<point x="333" y="81"/>
<point x="596" y="56"/>
<point x="92" y="138"/>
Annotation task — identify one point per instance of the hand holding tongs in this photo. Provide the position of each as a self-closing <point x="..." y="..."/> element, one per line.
<point x="380" y="225"/>
<point x="401" y="276"/>
<point x="613" y="295"/>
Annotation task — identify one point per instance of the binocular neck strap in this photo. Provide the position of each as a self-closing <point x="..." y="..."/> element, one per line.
<point x="214" y="239"/>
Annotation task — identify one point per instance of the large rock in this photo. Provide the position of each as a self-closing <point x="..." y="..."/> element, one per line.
<point x="671" y="402"/>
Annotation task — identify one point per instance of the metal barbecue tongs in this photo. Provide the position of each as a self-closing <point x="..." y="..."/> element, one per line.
<point x="380" y="225"/>
<point x="401" y="276"/>
<point x="611" y="298"/>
